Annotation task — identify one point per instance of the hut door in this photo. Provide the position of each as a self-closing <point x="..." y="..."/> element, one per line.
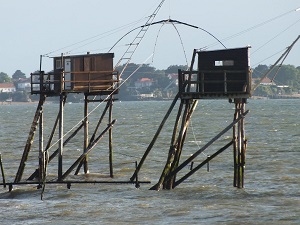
<point x="67" y="80"/>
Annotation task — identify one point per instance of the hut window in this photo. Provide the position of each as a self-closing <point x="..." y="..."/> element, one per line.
<point x="58" y="64"/>
<point x="224" y="63"/>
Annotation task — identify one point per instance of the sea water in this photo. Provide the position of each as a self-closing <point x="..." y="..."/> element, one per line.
<point x="272" y="174"/>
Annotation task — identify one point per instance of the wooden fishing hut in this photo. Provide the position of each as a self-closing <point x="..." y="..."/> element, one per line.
<point x="220" y="74"/>
<point x="91" y="75"/>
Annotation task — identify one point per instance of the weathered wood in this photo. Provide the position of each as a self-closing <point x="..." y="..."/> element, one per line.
<point x="61" y="136"/>
<point x="86" y="134"/>
<point x="201" y="164"/>
<point x="111" y="172"/>
<point x="69" y="182"/>
<point x="41" y="147"/>
<point x="155" y="137"/>
<point x="29" y="140"/>
<point x="191" y="69"/>
<point x="239" y="145"/>
<point x="235" y="144"/>
<point x="2" y="172"/>
<point x="176" y="144"/>
<point x="108" y="103"/>
<point x="53" y="131"/>
<point x="190" y="108"/>
<point x="87" y="151"/>
<point x="190" y="159"/>
<point x="172" y="150"/>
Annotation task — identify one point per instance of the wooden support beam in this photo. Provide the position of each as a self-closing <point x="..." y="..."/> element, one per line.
<point x="87" y="151"/>
<point x="190" y="159"/>
<point x="190" y="106"/>
<point x="29" y="140"/>
<point x="202" y="164"/>
<point x="108" y="103"/>
<point x="176" y="143"/>
<point x="111" y="172"/>
<point x="154" y="138"/>
<point x="2" y="172"/>
<point x="240" y="145"/>
<point x="55" y="153"/>
<point x="86" y="134"/>
<point x="42" y="158"/>
<point x="172" y="149"/>
<point x="61" y="135"/>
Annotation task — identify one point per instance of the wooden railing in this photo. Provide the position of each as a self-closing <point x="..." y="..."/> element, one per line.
<point x="74" y="81"/>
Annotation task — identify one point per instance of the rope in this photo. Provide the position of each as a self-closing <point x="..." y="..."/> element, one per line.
<point x="280" y="33"/>
<point x="181" y="44"/>
<point x="110" y="32"/>
<point x="184" y="52"/>
<point x="156" y="41"/>
<point x="255" y="26"/>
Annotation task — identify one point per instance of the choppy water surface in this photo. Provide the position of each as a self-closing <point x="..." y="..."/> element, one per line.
<point x="272" y="177"/>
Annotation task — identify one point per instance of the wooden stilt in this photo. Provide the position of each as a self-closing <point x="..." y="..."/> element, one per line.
<point x="154" y="138"/>
<point x="86" y="134"/>
<point x="189" y="109"/>
<point x="55" y="153"/>
<point x="100" y="120"/>
<point x="167" y="176"/>
<point x="108" y="106"/>
<point x="176" y="145"/>
<point x="42" y="158"/>
<point x="2" y="172"/>
<point x="61" y="136"/>
<point x="29" y="140"/>
<point x="111" y="172"/>
<point x="235" y="147"/>
<point x="87" y="151"/>
<point x="201" y="164"/>
<point x="239" y="149"/>
<point x="172" y="150"/>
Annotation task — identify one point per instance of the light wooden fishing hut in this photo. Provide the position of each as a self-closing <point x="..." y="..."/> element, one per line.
<point x="91" y="75"/>
<point x="220" y="74"/>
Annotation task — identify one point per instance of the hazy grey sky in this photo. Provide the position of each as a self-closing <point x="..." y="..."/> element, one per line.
<point x="37" y="27"/>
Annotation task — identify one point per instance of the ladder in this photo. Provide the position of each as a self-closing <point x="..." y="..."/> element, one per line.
<point x="137" y="40"/>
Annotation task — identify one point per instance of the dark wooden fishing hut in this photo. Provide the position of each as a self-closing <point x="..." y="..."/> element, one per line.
<point x="220" y="74"/>
<point x="91" y="75"/>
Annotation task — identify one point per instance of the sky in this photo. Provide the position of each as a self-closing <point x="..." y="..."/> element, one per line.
<point x="33" y="28"/>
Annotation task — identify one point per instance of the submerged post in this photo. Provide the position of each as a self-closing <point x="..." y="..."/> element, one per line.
<point x="111" y="172"/>
<point x="239" y="147"/>
<point x="41" y="148"/>
<point x="61" y="136"/>
<point x="2" y="171"/>
<point x="86" y="134"/>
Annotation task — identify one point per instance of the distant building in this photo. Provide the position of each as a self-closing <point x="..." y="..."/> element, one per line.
<point x="23" y="84"/>
<point x="143" y="82"/>
<point x="174" y="78"/>
<point x="267" y="82"/>
<point x="7" y="88"/>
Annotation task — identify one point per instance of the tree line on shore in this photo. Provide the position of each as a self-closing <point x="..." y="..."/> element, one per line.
<point x="285" y="78"/>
